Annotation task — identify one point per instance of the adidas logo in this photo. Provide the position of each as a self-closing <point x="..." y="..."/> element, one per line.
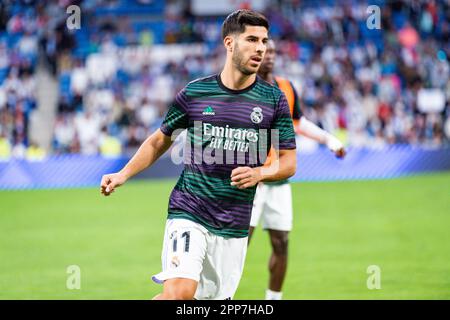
<point x="208" y="111"/>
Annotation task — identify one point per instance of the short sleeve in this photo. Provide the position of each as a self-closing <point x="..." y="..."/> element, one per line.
<point x="283" y="123"/>
<point x="177" y="116"/>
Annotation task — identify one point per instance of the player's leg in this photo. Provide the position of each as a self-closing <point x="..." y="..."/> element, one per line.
<point x="278" y="259"/>
<point x="278" y="220"/>
<point x="257" y="209"/>
<point x="184" y="250"/>
<point x="178" y="289"/>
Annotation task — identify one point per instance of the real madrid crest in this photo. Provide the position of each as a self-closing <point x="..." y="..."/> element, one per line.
<point x="256" y="116"/>
<point x="175" y="262"/>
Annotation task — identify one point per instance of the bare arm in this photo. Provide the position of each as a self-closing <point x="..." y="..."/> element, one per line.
<point x="280" y="169"/>
<point x="150" y="150"/>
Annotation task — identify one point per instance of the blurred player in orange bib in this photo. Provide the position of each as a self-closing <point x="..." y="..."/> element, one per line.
<point x="273" y="201"/>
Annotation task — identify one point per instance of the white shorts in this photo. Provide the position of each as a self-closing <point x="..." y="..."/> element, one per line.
<point x="191" y="251"/>
<point x="273" y="205"/>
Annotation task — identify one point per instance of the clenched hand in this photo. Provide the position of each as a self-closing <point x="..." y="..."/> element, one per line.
<point x="245" y="177"/>
<point x="110" y="182"/>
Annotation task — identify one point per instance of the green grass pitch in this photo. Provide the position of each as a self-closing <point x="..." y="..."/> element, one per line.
<point x="340" y="228"/>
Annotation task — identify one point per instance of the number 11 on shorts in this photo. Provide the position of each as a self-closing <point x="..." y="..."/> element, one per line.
<point x="186" y="235"/>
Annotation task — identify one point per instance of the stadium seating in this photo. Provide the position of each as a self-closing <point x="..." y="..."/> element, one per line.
<point x="325" y="49"/>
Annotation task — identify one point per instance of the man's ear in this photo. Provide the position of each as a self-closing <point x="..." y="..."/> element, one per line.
<point x="228" y="42"/>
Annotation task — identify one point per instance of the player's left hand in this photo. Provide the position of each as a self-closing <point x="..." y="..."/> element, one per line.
<point x="335" y="146"/>
<point x="245" y="177"/>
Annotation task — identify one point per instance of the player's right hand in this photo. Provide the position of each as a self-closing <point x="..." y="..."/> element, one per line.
<point x="336" y="146"/>
<point x="340" y="153"/>
<point x="110" y="182"/>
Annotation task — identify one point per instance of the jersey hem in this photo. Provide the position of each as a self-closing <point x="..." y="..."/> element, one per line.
<point x="223" y="232"/>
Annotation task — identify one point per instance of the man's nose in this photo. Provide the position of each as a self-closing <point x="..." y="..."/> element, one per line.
<point x="261" y="47"/>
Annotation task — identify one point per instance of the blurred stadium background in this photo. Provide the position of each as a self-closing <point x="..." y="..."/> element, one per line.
<point x="75" y="104"/>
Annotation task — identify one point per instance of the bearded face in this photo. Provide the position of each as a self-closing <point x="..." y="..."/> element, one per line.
<point x="249" y="49"/>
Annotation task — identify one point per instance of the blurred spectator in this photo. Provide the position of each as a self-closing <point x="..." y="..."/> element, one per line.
<point x="88" y="131"/>
<point x="35" y="153"/>
<point x="447" y="128"/>
<point x="110" y="146"/>
<point x="363" y="84"/>
<point x="79" y="79"/>
<point x="65" y="135"/>
<point x="5" y="148"/>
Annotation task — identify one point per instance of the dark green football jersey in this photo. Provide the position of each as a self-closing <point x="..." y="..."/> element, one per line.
<point x="226" y="129"/>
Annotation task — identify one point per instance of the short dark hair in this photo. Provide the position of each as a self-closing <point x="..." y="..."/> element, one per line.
<point x="237" y="20"/>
